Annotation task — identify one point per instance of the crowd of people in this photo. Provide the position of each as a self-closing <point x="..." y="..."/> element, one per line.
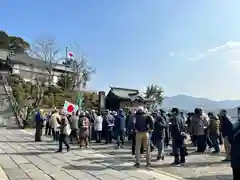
<point x="146" y="131"/>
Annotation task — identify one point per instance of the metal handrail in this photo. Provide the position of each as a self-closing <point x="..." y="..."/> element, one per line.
<point x="12" y="100"/>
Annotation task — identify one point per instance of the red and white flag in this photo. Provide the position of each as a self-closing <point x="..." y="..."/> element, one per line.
<point x="70" y="55"/>
<point x="69" y="108"/>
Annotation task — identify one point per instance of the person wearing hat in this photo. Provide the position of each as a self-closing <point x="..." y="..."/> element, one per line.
<point x="143" y="124"/>
<point x="178" y="136"/>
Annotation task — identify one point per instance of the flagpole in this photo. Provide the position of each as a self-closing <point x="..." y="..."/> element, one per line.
<point x="65" y="78"/>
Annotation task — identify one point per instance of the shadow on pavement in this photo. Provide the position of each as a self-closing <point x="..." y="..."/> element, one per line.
<point x="30" y="153"/>
<point x="190" y="164"/>
<point x="28" y="141"/>
<point x="100" y="167"/>
<point x="213" y="177"/>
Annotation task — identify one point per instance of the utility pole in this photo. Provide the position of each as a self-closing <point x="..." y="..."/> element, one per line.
<point x="65" y="76"/>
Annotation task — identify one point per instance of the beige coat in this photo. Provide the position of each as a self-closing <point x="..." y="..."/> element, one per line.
<point x="54" y="121"/>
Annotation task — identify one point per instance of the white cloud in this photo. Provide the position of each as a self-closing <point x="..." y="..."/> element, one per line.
<point x="178" y="54"/>
<point x="172" y="54"/>
<point x="227" y="47"/>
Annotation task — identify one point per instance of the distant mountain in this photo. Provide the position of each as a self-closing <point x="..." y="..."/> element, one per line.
<point x="189" y="103"/>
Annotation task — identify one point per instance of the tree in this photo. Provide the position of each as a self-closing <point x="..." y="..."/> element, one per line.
<point x="82" y="71"/>
<point x="155" y="93"/>
<point x="13" y="43"/>
<point x="46" y="49"/>
<point x="34" y="101"/>
<point x="65" y="82"/>
<point x="28" y="96"/>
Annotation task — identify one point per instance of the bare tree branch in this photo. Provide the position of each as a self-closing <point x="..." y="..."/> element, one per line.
<point x="82" y="71"/>
<point x="46" y="49"/>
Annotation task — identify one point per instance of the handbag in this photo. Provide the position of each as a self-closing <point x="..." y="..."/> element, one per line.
<point x="67" y="130"/>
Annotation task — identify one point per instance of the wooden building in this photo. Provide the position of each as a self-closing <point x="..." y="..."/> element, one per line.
<point x="125" y="98"/>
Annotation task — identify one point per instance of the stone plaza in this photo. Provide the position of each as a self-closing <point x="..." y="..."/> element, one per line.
<point x="23" y="159"/>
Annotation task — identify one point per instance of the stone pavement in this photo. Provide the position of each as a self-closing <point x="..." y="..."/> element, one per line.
<point x="198" y="167"/>
<point x="23" y="159"/>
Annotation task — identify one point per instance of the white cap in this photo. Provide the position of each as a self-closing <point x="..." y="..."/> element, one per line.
<point x="140" y="109"/>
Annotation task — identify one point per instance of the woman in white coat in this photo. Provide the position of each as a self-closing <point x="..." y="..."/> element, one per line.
<point x="55" y="123"/>
<point x="98" y="127"/>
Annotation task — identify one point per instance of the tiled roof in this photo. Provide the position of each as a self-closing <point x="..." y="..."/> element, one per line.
<point x="24" y="58"/>
<point x="124" y="93"/>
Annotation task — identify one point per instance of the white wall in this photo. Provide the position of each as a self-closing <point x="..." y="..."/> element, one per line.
<point x="29" y="73"/>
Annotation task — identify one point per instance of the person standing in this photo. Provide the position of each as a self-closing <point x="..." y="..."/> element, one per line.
<point x="74" y="127"/>
<point x="226" y="129"/>
<point x="39" y="125"/>
<point x="214" y="132"/>
<point x="159" y="134"/>
<point x="108" y="122"/>
<point x="198" y="128"/>
<point x="131" y="127"/>
<point x="98" y="127"/>
<point x="83" y="125"/>
<point x="120" y="124"/>
<point x="65" y="131"/>
<point x="48" y="129"/>
<point x="178" y="135"/>
<point x="234" y="140"/>
<point x="54" y="123"/>
<point x="143" y="125"/>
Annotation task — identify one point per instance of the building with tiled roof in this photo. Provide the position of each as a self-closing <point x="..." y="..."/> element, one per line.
<point x="125" y="98"/>
<point x="30" y="68"/>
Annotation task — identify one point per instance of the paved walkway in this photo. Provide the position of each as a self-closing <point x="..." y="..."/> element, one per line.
<point x="23" y="159"/>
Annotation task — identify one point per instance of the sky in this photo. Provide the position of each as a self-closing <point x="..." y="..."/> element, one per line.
<point x="187" y="47"/>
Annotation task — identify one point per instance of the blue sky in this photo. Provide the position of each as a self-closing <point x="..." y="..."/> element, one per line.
<point x="187" y="47"/>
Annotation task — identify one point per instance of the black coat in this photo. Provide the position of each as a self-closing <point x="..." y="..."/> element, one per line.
<point x="177" y="127"/>
<point x="234" y="139"/>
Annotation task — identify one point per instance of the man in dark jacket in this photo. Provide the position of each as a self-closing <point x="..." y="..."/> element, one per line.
<point x="167" y="136"/>
<point x="235" y="149"/>
<point x="108" y="123"/>
<point x="128" y="122"/>
<point x="39" y="125"/>
<point x="131" y="128"/>
<point x="143" y="124"/>
<point x="159" y="134"/>
<point x="226" y="129"/>
<point x="120" y="124"/>
<point x="178" y="135"/>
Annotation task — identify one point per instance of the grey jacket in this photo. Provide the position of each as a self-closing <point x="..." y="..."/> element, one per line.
<point x="199" y="124"/>
<point x="74" y="122"/>
<point x="159" y="127"/>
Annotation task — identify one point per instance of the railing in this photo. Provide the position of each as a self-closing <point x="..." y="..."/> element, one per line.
<point x="12" y="101"/>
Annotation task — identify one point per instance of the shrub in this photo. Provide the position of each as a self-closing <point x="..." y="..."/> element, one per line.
<point x="53" y="90"/>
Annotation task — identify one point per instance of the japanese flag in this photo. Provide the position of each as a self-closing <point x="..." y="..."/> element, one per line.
<point x="70" y="55"/>
<point x="69" y="108"/>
